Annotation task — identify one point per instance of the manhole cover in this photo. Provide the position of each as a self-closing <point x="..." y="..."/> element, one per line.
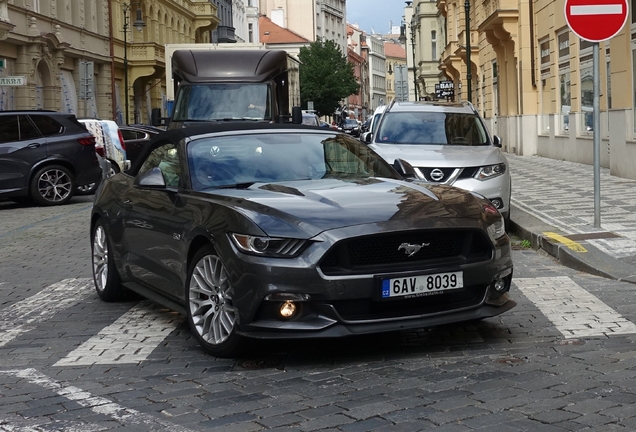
<point x="510" y="360"/>
<point x="256" y="364"/>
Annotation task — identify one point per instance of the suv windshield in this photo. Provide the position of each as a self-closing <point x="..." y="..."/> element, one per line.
<point x="437" y="128"/>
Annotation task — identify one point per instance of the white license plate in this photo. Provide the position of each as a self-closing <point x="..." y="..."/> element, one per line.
<point x="421" y="285"/>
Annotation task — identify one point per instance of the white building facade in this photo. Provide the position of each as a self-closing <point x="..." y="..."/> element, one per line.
<point x="312" y="19"/>
<point x="377" y="72"/>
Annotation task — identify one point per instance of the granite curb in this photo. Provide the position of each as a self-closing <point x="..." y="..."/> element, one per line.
<point x="592" y="260"/>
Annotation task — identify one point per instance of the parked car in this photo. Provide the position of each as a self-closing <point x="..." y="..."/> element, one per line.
<point x="366" y="125"/>
<point x="109" y="145"/>
<point x="447" y="143"/>
<point x="350" y="126"/>
<point x="289" y="231"/>
<point x="136" y="137"/>
<point x="44" y="155"/>
<point x="373" y="123"/>
<point x="311" y="119"/>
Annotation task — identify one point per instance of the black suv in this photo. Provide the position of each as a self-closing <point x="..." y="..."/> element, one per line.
<point x="44" y="155"/>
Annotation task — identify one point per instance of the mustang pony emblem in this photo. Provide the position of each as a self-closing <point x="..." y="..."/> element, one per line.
<point x="412" y="249"/>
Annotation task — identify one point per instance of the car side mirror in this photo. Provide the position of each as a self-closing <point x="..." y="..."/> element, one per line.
<point x="152" y="179"/>
<point x="367" y="137"/>
<point x="496" y="141"/>
<point x="405" y="169"/>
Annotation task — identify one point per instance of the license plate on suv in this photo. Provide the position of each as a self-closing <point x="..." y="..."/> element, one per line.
<point x="421" y="285"/>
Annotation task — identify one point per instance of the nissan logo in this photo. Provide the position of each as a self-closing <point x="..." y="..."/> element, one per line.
<point x="437" y="175"/>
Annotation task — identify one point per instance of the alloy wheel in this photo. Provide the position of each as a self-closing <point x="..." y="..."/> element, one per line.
<point x="100" y="258"/>
<point x="54" y="185"/>
<point x="210" y="301"/>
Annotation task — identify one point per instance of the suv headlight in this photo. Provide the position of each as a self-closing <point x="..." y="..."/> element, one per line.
<point x="267" y="246"/>
<point x="490" y="171"/>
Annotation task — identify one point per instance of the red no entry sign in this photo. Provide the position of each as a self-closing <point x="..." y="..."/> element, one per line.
<point x="596" y="20"/>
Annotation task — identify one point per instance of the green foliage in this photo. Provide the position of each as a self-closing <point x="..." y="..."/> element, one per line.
<point x="326" y="77"/>
<point x="526" y="244"/>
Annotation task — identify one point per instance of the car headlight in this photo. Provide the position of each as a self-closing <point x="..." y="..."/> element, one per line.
<point x="490" y="171"/>
<point x="497" y="229"/>
<point x="267" y="246"/>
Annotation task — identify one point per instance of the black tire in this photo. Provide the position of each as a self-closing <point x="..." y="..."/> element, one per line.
<point x="52" y="185"/>
<point x="208" y="287"/>
<point x="105" y="276"/>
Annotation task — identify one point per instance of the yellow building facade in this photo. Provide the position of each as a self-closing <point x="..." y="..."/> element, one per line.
<point x="532" y="80"/>
<point x="69" y="54"/>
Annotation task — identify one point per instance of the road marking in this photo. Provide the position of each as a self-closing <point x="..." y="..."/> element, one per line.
<point x="130" y="339"/>
<point x="26" y="314"/>
<point x="570" y="244"/>
<point x="127" y="416"/>
<point x="574" y="312"/>
<point x="598" y="9"/>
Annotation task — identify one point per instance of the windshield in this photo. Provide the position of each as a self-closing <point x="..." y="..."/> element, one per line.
<point x="351" y="122"/>
<point x="431" y="128"/>
<point x="205" y="102"/>
<point x="242" y="160"/>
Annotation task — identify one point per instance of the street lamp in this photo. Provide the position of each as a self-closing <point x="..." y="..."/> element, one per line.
<point x="139" y="25"/>
<point x="413" y="27"/>
<point x="469" y="77"/>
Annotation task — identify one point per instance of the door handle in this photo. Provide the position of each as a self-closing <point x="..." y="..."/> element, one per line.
<point x="34" y="145"/>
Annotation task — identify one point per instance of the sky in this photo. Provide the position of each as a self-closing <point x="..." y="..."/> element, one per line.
<point x="375" y="15"/>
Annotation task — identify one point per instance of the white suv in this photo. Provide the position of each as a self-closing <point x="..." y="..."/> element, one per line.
<point x="446" y="143"/>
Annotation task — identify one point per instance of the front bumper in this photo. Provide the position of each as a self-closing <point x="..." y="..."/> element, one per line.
<point x="335" y="306"/>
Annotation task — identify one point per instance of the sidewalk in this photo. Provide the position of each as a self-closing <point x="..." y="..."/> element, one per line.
<point x="553" y="207"/>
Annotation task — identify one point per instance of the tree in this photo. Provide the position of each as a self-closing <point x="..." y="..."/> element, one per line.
<point x="326" y="77"/>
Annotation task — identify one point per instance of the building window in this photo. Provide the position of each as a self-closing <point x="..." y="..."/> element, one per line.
<point x="250" y="32"/>
<point x="565" y="98"/>
<point x="495" y="90"/>
<point x="482" y="102"/>
<point x="433" y="45"/>
<point x="545" y="89"/>
<point x="586" y="73"/>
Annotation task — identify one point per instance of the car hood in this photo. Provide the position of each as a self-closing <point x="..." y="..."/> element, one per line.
<point x="305" y="208"/>
<point x="440" y="156"/>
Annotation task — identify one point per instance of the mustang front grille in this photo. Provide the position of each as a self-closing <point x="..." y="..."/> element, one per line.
<point x="408" y="250"/>
<point x="368" y="309"/>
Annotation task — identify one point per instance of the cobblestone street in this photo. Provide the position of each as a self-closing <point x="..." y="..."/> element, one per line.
<point x="533" y="368"/>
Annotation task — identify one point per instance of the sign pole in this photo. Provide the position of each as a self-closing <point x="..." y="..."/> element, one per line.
<point x="596" y="21"/>
<point x="597" y="136"/>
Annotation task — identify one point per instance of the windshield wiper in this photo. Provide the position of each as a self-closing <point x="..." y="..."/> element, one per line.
<point x="245" y="185"/>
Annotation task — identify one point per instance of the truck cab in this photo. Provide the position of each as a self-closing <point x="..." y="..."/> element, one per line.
<point x="233" y="85"/>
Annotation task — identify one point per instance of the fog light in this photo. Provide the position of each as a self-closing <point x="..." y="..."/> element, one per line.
<point x="287" y="309"/>
<point x="500" y="285"/>
<point x="497" y="202"/>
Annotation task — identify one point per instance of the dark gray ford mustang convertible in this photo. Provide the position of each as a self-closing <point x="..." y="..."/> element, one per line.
<point x="287" y="231"/>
